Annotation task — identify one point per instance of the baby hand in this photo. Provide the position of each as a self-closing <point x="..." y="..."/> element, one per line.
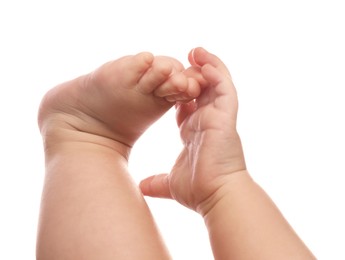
<point x="212" y="151"/>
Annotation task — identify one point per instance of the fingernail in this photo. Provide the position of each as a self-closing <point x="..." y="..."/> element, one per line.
<point x="192" y="53"/>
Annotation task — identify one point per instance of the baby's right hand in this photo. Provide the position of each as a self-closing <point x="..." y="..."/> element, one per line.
<point x="212" y="152"/>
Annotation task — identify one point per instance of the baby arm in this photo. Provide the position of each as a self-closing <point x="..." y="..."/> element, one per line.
<point x="91" y="208"/>
<point x="210" y="175"/>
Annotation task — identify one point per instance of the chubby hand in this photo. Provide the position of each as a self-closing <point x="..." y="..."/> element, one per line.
<point x="212" y="150"/>
<point x="113" y="105"/>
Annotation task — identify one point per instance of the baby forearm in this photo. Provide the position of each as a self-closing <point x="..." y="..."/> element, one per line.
<point x="89" y="203"/>
<point x="246" y="224"/>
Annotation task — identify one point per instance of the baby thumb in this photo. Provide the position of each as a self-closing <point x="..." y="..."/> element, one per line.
<point x="156" y="186"/>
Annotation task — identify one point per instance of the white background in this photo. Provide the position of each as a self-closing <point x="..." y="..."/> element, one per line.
<point x="287" y="59"/>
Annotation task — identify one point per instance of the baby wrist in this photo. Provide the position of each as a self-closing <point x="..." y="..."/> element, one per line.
<point x="232" y="183"/>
